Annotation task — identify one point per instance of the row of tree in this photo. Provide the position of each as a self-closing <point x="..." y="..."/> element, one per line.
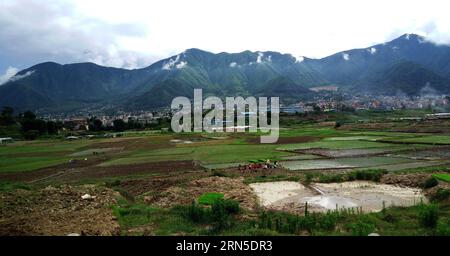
<point x="30" y="126"/>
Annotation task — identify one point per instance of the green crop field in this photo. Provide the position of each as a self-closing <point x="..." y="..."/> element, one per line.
<point x="205" y="154"/>
<point x="18" y="164"/>
<point x="209" y="198"/>
<point x="442" y="176"/>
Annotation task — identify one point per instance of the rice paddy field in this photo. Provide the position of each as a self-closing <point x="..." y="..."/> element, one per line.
<point x="324" y="148"/>
<point x="160" y="178"/>
<point x="358" y="150"/>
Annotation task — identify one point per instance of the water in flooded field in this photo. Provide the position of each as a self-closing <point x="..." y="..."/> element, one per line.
<point x="369" y="196"/>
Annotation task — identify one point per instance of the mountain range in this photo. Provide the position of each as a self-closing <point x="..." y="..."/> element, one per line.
<point x="408" y="65"/>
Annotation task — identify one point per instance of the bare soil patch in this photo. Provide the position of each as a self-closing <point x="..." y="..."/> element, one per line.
<point x="58" y="211"/>
<point x="158" y="184"/>
<point x="183" y="195"/>
<point x="408" y="180"/>
<point x="85" y="170"/>
<point x="97" y="172"/>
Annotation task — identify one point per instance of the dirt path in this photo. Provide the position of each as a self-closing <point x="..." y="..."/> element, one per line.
<point x="183" y="194"/>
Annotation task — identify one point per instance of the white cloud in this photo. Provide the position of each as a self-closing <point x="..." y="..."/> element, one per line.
<point x="299" y="59"/>
<point x="259" y="58"/>
<point x="18" y="77"/>
<point x="181" y="65"/>
<point x="9" y="73"/>
<point x="170" y="63"/>
<point x="346" y="56"/>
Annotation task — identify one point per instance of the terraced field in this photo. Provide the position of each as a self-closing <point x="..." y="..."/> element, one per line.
<point x="156" y="176"/>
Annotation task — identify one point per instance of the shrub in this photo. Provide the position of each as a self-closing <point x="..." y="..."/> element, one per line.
<point x="133" y="215"/>
<point x="31" y="135"/>
<point x="309" y="177"/>
<point x="221" y="211"/>
<point x="112" y="184"/>
<point x="196" y="213"/>
<point x="331" y="178"/>
<point x="337" y="125"/>
<point x="362" y="227"/>
<point x="430" y="182"/>
<point x="224" y="207"/>
<point x="443" y="229"/>
<point x="428" y="215"/>
<point x="372" y="175"/>
<point x="293" y="224"/>
<point x="440" y="195"/>
<point x="218" y="173"/>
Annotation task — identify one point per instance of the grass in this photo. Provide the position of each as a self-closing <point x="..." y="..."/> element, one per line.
<point x="131" y="216"/>
<point x="32" y="155"/>
<point x="442" y="176"/>
<point x="6" y="186"/>
<point x="42" y="147"/>
<point x="22" y="164"/>
<point x="209" y="198"/>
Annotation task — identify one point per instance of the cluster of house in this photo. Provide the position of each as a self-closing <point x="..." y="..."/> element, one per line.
<point x="366" y="102"/>
<point x="396" y="102"/>
<point x="81" y="123"/>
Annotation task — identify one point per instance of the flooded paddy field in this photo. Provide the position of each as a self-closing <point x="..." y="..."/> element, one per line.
<point x="321" y="197"/>
<point x="436" y="153"/>
<point x="338" y="163"/>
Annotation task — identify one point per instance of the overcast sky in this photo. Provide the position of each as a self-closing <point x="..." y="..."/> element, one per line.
<point x="134" y="33"/>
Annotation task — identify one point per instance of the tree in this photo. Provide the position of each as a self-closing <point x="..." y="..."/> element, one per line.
<point x="119" y="125"/>
<point x="52" y="128"/>
<point x="34" y="125"/>
<point x="95" y="125"/>
<point x="6" y="117"/>
<point x="31" y="135"/>
<point x="317" y="109"/>
<point x="29" y="115"/>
